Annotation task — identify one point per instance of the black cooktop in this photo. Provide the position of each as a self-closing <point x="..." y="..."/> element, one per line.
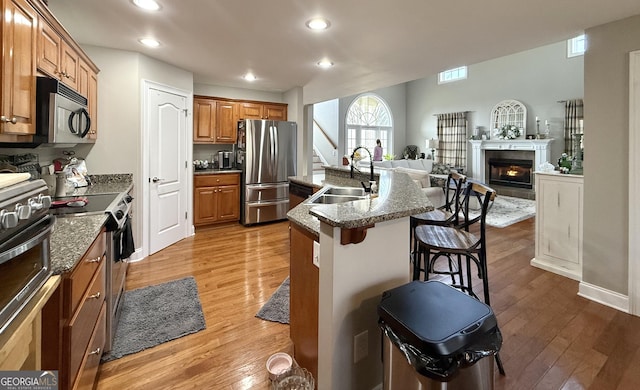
<point x="97" y="204"/>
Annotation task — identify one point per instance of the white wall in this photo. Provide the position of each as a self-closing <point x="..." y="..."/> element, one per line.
<point x="606" y="127"/>
<point x="326" y="114"/>
<point x="539" y="78"/>
<point x="295" y="113"/>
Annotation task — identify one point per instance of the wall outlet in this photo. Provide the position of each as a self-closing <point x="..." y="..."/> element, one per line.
<point x="360" y="346"/>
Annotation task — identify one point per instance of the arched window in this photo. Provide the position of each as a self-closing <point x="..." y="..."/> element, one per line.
<point x="368" y="119"/>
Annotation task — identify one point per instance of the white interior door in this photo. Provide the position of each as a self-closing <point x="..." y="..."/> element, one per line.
<point x="167" y="169"/>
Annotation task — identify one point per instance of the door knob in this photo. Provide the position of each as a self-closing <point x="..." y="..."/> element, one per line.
<point x="155" y="179"/>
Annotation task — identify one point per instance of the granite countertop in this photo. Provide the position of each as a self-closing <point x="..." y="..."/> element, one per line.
<point x="72" y="236"/>
<point x="315" y="180"/>
<point x="215" y="171"/>
<point x="105" y="184"/>
<point x="398" y="197"/>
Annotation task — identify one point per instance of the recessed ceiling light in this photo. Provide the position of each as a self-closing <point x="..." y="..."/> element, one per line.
<point x="149" y="42"/>
<point x="325" y="63"/>
<point x="149" y="5"/>
<point x="249" y="77"/>
<point x="318" y="24"/>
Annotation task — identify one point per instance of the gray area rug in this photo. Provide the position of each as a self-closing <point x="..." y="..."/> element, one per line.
<point x="277" y="307"/>
<point x="156" y="314"/>
<point x="507" y="210"/>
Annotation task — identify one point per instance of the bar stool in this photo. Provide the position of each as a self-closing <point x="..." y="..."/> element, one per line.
<point x="446" y="215"/>
<point x="435" y="242"/>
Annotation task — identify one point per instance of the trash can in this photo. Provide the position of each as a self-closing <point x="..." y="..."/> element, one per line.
<point x="436" y="337"/>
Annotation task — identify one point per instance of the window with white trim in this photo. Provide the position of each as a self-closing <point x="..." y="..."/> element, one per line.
<point x="368" y="119"/>
<point x="576" y="46"/>
<point x="452" y="75"/>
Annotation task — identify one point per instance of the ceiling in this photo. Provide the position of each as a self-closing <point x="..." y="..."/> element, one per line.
<point x="374" y="43"/>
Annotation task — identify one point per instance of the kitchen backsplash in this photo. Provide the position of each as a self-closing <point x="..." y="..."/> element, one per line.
<point x="206" y="152"/>
<point x="111" y="178"/>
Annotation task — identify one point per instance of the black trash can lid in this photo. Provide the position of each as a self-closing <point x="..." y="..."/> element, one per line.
<point x="435" y="318"/>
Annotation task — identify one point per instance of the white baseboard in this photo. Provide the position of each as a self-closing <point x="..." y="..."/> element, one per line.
<point x="604" y="296"/>
<point x="556" y="269"/>
<point x="136" y="256"/>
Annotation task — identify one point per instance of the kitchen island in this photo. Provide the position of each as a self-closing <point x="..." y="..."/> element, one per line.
<point x="363" y="251"/>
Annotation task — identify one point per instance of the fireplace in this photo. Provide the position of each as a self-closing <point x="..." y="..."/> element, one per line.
<point x="511" y="172"/>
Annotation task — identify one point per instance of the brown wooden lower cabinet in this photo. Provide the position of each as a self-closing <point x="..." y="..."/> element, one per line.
<point x="216" y="198"/>
<point x="303" y="287"/>
<point x="74" y="321"/>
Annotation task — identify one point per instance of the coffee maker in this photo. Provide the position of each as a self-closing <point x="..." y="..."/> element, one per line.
<point x="225" y="159"/>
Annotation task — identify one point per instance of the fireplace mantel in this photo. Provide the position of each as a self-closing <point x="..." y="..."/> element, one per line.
<point x="541" y="147"/>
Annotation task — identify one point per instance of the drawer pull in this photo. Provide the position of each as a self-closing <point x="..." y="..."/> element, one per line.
<point x="94" y="296"/>
<point x="95" y="351"/>
<point x="96" y="260"/>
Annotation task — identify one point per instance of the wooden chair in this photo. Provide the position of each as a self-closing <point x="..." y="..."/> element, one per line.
<point x="446" y="215"/>
<point x="435" y="242"/>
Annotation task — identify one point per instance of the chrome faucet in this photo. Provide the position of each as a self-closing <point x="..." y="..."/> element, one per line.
<point x="370" y="161"/>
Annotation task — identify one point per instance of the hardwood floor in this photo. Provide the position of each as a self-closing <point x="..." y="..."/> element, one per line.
<point x="553" y="339"/>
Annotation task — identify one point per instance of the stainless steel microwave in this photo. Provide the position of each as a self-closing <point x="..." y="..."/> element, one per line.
<point x="61" y="114"/>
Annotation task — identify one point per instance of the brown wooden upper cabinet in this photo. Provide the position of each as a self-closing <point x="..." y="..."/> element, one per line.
<point x="276" y="112"/>
<point x="18" y="94"/>
<point x="204" y="120"/>
<point x="56" y="57"/>
<point x="227" y="118"/>
<point x="214" y="121"/>
<point x="254" y="110"/>
<point x="88" y="87"/>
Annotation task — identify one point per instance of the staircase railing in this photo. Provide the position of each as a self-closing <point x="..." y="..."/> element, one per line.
<point x="324" y="133"/>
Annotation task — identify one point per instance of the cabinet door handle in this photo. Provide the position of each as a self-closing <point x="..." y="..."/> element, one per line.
<point x="95" y="296"/>
<point x="4" y="119"/>
<point x="569" y="231"/>
<point x="95" y="351"/>
<point x="95" y="260"/>
<point x="558" y="199"/>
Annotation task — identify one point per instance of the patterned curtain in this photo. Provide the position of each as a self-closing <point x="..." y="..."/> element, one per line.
<point x="452" y="134"/>
<point x="573" y="114"/>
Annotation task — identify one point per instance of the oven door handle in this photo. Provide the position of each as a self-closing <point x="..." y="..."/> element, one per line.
<point x="40" y="235"/>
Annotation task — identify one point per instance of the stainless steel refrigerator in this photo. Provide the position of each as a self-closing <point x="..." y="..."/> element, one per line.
<point x="266" y="153"/>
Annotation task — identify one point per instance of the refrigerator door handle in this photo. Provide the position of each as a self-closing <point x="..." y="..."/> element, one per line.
<point x="267" y="203"/>
<point x="275" y="142"/>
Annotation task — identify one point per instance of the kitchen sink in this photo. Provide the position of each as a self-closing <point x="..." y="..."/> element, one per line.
<point x="352" y="191"/>
<point x="333" y="199"/>
<point x="333" y="195"/>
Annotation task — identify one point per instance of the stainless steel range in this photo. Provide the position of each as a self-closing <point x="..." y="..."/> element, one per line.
<point x="25" y="230"/>
<point x="119" y="245"/>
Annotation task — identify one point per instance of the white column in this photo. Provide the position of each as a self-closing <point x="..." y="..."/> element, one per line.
<point x="477" y="160"/>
